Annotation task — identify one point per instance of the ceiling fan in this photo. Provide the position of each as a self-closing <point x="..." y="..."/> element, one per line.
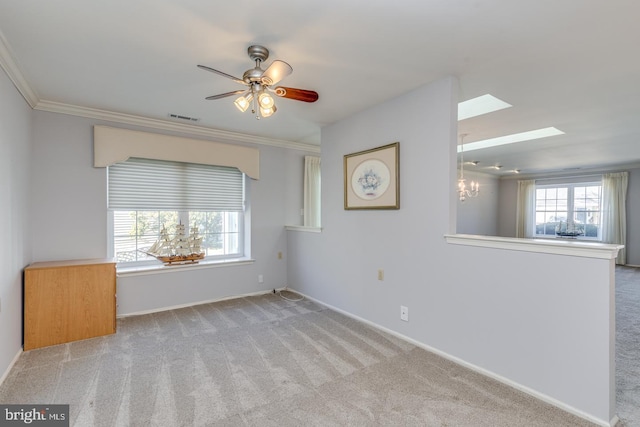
<point x="260" y="82"/>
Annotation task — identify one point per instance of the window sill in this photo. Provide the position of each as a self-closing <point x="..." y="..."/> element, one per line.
<point x="161" y="268"/>
<point x="303" y="228"/>
<point x="574" y="239"/>
<point x="548" y="246"/>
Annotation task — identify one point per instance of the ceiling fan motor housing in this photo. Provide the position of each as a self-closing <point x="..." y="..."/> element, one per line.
<point x="252" y="75"/>
<point x="258" y="53"/>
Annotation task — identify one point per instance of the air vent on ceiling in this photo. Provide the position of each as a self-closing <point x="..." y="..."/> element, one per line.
<point x="181" y="117"/>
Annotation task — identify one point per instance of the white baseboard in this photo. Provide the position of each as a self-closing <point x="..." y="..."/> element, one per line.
<point x="13" y="362"/>
<point x="191" y="304"/>
<point x="540" y="396"/>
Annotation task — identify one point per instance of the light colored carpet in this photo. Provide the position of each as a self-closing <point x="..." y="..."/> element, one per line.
<point x="264" y="361"/>
<point x="628" y="345"/>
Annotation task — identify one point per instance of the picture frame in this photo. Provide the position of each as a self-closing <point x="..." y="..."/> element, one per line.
<point x="372" y="178"/>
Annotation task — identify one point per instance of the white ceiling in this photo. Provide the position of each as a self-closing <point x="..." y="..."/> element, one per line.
<point x="572" y="64"/>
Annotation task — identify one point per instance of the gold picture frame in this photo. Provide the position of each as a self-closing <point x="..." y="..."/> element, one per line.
<point x="372" y="178"/>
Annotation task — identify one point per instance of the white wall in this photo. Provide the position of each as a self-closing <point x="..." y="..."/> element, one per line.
<point x="70" y="219"/>
<point x="507" y="202"/>
<point x="15" y="250"/>
<point x="479" y="215"/>
<point x="69" y="195"/>
<point x="541" y="322"/>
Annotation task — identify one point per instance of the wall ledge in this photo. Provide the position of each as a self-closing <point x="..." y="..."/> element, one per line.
<point x="303" y="228"/>
<point x="545" y="246"/>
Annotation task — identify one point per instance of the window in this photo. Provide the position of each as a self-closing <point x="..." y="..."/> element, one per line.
<point x="569" y="209"/>
<point x="147" y="195"/>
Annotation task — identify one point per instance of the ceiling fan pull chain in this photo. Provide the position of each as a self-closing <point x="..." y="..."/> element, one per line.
<point x="255" y="107"/>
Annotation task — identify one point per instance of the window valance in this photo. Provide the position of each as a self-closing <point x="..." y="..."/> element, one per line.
<point x="115" y="145"/>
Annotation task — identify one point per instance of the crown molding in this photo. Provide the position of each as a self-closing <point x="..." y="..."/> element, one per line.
<point x="573" y="173"/>
<point x="16" y="76"/>
<point x="130" y="119"/>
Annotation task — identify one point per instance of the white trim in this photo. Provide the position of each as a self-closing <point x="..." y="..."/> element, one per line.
<point x="303" y="228"/>
<point x="191" y="304"/>
<point x="16" y="76"/>
<point x="144" y="270"/>
<point x="541" y="396"/>
<point x="130" y="119"/>
<point x="546" y="246"/>
<point x="573" y="173"/>
<point x="10" y="367"/>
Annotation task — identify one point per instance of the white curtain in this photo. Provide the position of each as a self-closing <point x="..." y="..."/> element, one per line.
<point x="525" y="209"/>
<point x="311" y="191"/>
<point x="614" y="211"/>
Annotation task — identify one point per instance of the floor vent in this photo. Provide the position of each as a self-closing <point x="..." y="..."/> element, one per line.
<point x="181" y="117"/>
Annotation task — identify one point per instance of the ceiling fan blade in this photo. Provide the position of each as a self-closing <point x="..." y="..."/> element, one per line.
<point x="297" y="94"/>
<point x="277" y="71"/>
<point x="220" y="73"/>
<point x="224" y="95"/>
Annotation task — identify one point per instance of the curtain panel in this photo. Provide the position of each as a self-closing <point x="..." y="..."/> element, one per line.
<point x="312" y="191"/>
<point x="614" y="211"/>
<point x="525" y="207"/>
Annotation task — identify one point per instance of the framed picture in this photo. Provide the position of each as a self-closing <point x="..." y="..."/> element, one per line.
<point x="372" y="178"/>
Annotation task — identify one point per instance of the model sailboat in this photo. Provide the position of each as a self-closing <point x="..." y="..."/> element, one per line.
<point x="179" y="249"/>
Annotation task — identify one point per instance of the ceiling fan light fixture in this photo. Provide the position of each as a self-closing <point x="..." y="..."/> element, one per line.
<point x="243" y="102"/>
<point x="267" y="112"/>
<point x="266" y="101"/>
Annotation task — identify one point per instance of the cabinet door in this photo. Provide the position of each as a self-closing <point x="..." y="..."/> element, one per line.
<point x="65" y="304"/>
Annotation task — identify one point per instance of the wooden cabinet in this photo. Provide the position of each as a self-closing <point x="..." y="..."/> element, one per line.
<point x="68" y="301"/>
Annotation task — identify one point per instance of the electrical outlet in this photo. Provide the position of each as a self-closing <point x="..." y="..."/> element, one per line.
<point x="279" y="255"/>
<point x="380" y="274"/>
<point x="260" y="278"/>
<point x="404" y="313"/>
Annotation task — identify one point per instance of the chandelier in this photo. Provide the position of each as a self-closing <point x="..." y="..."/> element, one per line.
<point x="463" y="191"/>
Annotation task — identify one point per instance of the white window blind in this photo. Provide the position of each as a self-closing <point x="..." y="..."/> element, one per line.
<point x="140" y="184"/>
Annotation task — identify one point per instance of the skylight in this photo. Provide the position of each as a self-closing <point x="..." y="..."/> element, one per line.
<point x="481" y="105"/>
<point x="510" y="139"/>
